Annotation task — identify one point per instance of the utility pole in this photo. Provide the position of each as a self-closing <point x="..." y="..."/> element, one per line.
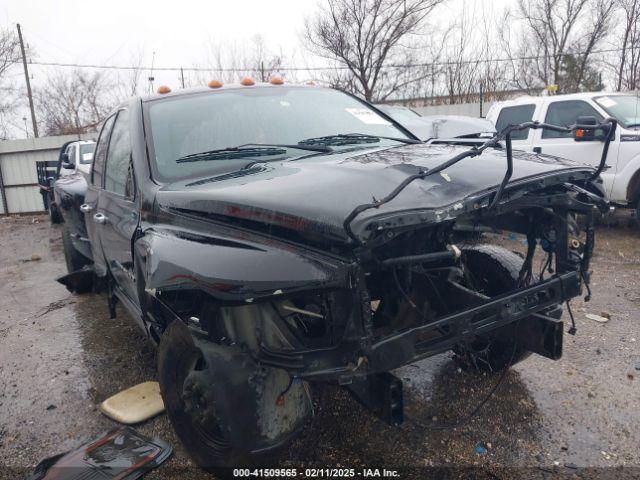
<point x="26" y="77"/>
<point x="182" y="76"/>
<point x="151" y="77"/>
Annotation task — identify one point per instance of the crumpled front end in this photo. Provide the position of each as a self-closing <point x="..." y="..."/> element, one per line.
<point x="406" y="292"/>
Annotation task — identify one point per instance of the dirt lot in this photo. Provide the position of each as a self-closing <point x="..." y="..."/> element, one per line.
<point x="60" y="356"/>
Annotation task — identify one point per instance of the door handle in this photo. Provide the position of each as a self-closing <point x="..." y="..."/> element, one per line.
<point x="537" y="149"/>
<point x="100" y="218"/>
<point x="86" y="208"/>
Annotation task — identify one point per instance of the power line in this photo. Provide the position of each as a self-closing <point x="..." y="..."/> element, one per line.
<point x="303" y="69"/>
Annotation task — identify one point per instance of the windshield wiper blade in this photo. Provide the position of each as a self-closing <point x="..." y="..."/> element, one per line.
<point x="249" y="150"/>
<point x="311" y="148"/>
<point x="351" y="139"/>
<point x="396" y="139"/>
<point x="232" y="152"/>
<point x="339" y="139"/>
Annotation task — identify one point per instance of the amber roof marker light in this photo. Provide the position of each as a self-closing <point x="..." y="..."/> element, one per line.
<point x="214" y="84"/>
<point x="247" y="81"/>
<point x="162" y="89"/>
<point x="276" y="80"/>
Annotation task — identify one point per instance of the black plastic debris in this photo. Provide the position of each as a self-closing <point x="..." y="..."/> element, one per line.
<point x="121" y="453"/>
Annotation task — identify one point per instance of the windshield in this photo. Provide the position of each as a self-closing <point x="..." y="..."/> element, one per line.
<point x="192" y="124"/>
<point x="84" y="149"/>
<point x="624" y="108"/>
<point x="399" y="114"/>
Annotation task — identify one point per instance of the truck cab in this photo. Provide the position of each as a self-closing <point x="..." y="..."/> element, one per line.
<point x="621" y="176"/>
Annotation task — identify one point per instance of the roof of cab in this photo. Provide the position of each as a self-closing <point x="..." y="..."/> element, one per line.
<point x="225" y="87"/>
<point x="528" y="99"/>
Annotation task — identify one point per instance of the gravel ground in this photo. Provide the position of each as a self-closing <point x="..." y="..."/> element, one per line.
<point x="61" y="355"/>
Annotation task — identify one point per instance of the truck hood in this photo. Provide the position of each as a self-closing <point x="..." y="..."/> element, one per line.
<point x="314" y="195"/>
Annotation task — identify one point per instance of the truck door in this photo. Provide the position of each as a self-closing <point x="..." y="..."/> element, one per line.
<point x="94" y="185"/>
<point x="565" y="113"/>
<point x="117" y="215"/>
<point x="513" y="115"/>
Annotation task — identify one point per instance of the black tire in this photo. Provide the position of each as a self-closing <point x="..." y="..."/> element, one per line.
<point x="73" y="258"/>
<point x="54" y="213"/>
<point x="178" y="356"/>
<point x="493" y="270"/>
<point x="638" y="213"/>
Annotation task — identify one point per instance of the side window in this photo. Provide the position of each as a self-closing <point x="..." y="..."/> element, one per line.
<point x="513" y="116"/>
<point x="101" y="152"/>
<point x="118" y="172"/>
<point x="565" y="113"/>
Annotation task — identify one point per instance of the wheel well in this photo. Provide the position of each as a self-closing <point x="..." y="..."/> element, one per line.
<point x="633" y="189"/>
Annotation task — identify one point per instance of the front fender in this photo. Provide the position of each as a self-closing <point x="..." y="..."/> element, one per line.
<point x="626" y="184"/>
<point x="239" y="269"/>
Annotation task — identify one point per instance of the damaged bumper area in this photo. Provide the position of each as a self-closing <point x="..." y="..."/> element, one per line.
<point x="408" y="292"/>
<point x="392" y="351"/>
<point x="283" y="314"/>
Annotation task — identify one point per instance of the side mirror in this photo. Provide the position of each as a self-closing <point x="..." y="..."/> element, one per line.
<point x="586" y="134"/>
<point x="67" y="163"/>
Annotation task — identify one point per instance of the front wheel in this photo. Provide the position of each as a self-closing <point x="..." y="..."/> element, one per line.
<point x="493" y="271"/>
<point x="187" y="390"/>
<point x="54" y="213"/>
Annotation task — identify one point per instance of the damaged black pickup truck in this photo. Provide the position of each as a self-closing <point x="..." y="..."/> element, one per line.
<point x="269" y="236"/>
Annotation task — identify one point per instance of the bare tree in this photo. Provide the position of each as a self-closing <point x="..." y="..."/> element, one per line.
<point x="231" y="61"/>
<point x="470" y="56"/>
<point x="74" y="103"/>
<point x="519" y="49"/>
<point x="556" y="40"/>
<point x="628" y="67"/>
<point x="9" y="57"/>
<point x="127" y="83"/>
<point x="263" y="61"/>
<point x="601" y="12"/>
<point x="362" y="36"/>
<point x="461" y="75"/>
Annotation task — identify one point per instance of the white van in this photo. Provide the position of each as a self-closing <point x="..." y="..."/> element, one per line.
<point x="621" y="177"/>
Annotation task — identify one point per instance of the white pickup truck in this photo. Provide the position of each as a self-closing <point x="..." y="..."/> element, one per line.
<point x="621" y="177"/>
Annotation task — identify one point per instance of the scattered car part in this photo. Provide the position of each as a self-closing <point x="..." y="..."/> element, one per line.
<point x="597" y="318"/>
<point x="121" y="453"/>
<point x="135" y="404"/>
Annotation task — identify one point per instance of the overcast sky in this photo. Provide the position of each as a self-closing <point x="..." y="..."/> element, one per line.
<point x="108" y="32"/>
<point x="113" y="32"/>
<point x="178" y="32"/>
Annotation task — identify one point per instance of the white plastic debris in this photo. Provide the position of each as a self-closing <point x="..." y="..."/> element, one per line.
<point x="597" y="318"/>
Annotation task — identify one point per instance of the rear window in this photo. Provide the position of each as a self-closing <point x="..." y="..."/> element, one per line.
<point x="513" y="116"/>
